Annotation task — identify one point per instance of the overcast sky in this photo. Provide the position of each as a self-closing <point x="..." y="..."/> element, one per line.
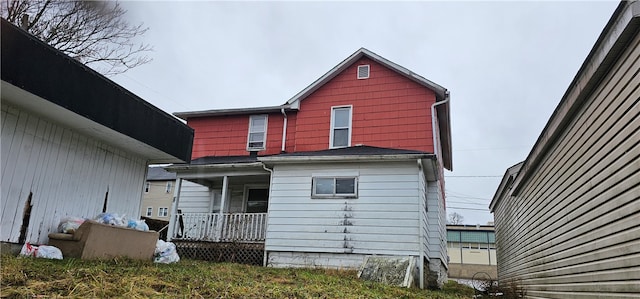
<point x="506" y="64"/>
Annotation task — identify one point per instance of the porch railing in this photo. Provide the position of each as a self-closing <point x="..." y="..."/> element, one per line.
<point x="232" y="227"/>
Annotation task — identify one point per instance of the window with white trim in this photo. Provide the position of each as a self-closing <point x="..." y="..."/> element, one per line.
<point x="257" y="132"/>
<point x="340" y="135"/>
<point x="168" y="189"/>
<point x="149" y="211"/>
<point x="147" y="186"/>
<point x="163" y="212"/>
<point x="334" y="187"/>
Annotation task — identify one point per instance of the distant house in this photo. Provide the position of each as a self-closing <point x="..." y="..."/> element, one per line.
<point x="352" y="166"/>
<point x="471" y="250"/>
<point x="568" y="217"/>
<point x="158" y="193"/>
<point x="74" y="143"/>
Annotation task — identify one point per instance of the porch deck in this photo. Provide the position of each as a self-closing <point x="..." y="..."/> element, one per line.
<point x="216" y="227"/>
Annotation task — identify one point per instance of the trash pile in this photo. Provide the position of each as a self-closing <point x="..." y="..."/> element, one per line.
<point x="165" y="252"/>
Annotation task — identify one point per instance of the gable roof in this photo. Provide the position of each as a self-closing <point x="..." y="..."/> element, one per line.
<point x="294" y="102"/>
<point x="42" y="80"/>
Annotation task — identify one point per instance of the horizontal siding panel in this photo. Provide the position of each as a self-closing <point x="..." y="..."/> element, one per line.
<point x="336" y="228"/>
<point x="355" y="218"/>
<point x="340" y="236"/>
<point x="354" y="207"/>
<point x="298" y="222"/>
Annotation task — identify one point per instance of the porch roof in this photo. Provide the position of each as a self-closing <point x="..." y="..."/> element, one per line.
<point x="355" y="153"/>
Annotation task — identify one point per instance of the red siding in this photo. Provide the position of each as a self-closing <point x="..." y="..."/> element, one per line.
<point x="227" y="135"/>
<point x="389" y="110"/>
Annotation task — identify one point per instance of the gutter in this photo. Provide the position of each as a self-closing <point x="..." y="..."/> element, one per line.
<point x="214" y="166"/>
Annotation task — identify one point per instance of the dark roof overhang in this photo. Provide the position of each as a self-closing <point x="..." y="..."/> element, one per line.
<point x="44" y="81"/>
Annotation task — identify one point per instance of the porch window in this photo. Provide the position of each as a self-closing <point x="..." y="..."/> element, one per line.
<point x="257" y="200"/>
<point x="163" y="212"/>
<point x="335" y="187"/>
<point x="340" y="135"/>
<point x="257" y="132"/>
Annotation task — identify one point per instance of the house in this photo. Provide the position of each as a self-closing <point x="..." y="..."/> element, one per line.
<point x="351" y="166"/>
<point x="471" y="250"/>
<point x="567" y="218"/>
<point x="158" y="193"/>
<point x="74" y="143"/>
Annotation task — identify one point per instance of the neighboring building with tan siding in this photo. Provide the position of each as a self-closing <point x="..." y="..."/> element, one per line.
<point x="568" y="217"/>
<point x="471" y="249"/>
<point x="158" y="194"/>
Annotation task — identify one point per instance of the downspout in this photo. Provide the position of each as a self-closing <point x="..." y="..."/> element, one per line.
<point x="420" y="231"/>
<point x="265" y="254"/>
<point x="284" y="131"/>
<point x="433" y="123"/>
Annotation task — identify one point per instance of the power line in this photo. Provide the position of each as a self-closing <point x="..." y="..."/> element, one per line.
<point x="472" y="176"/>
<point x="461" y="208"/>
<point x="467" y="203"/>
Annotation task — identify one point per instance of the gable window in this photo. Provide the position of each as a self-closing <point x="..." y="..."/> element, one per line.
<point x="163" y="212"/>
<point x="257" y="132"/>
<point x="363" y="71"/>
<point x="340" y="135"/>
<point x="168" y="189"/>
<point x="334" y="187"/>
<point x="149" y="211"/>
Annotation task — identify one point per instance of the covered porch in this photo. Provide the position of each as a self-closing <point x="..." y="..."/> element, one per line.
<point x="223" y="201"/>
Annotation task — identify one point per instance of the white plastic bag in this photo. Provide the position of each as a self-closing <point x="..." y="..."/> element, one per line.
<point x="165" y="253"/>
<point x="111" y="219"/>
<point x="42" y="251"/>
<point x="138" y="225"/>
<point x="69" y="225"/>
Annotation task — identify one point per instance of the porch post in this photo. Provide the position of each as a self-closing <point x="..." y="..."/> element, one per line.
<point x="223" y="200"/>
<point x="174" y="210"/>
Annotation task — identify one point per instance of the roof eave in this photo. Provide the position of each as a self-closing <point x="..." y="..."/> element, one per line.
<point x="620" y="28"/>
<point x="233" y="111"/>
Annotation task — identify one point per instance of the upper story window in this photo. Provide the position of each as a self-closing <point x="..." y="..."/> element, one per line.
<point x="334" y="187"/>
<point x="257" y="132"/>
<point x="149" y="211"/>
<point x="168" y="189"/>
<point x="340" y="135"/>
<point x="147" y="186"/>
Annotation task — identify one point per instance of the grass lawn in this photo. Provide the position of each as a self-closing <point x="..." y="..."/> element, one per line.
<point x="121" y="278"/>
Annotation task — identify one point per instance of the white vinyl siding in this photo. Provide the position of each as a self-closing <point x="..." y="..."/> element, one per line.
<point x="257" y="132"/>
<point x="340" y="135"/>
<point x="384" y="219"/>
<point x="573" y="228"/>
<point x="195" y="198"/>
<point x="66" y="173"/>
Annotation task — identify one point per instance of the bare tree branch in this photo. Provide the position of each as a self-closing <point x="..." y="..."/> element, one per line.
<point x="95" y="33"/>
